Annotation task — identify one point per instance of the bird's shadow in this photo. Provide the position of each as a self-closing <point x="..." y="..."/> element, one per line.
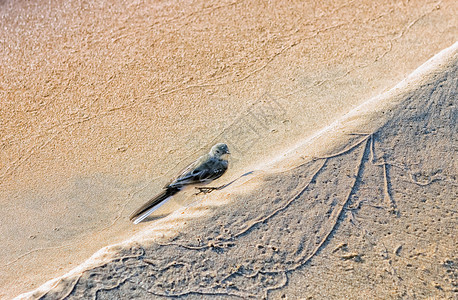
<point x="210" y="189"/>
<point x="207" y="189"/>
<point x="243" y="175"/>
<point x="151" y="218"/>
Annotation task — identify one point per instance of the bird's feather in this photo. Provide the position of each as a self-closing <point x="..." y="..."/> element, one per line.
<point x="203" y="170"/>
<point x="153" y="204"/>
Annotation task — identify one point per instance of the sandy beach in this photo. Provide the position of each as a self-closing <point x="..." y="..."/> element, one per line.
<point x="344" y="164"/>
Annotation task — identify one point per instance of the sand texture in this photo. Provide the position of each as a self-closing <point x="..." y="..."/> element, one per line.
<point x="376" y="219"/>
<point x="102" y="102"/>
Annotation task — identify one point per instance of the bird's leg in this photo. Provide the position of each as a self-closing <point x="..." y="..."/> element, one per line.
<point x="209" y="189"/>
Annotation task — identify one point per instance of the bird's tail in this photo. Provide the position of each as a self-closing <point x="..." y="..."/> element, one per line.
<point x="153" y="204"/>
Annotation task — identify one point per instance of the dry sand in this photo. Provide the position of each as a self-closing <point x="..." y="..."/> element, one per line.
<point x="101" y="103"/>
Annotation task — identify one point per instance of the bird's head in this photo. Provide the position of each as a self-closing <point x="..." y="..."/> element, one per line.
<point x="219" y="150"/>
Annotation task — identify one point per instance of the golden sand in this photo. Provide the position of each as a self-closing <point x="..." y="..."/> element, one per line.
<point x="101" y="103"/>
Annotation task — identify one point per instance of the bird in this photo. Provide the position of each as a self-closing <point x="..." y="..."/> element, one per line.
<point x="206" y="168"/>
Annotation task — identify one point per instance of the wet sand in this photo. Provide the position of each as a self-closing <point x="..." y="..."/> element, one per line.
<point x="372" y="217"/>
<point x="102" y="104"/>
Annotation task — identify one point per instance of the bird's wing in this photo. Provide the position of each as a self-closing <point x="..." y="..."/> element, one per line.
<point x="205" y="169"/>
<point x="186" y="172"/>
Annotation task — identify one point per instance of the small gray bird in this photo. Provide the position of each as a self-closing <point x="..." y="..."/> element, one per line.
<point x="206" y="168"/>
